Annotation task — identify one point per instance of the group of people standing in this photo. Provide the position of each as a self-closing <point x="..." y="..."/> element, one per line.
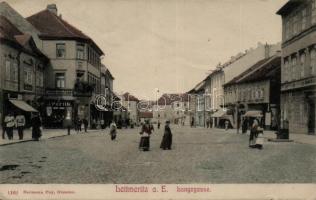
<point x="147" y="130"/>
<point x="11" y="122"/>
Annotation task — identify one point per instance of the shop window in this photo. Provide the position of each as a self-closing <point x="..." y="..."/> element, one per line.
<point x="60" y="50"/>
<point x="14" y="72"/>
<point x="60" y="80"/>
<point x="80" y="51"/>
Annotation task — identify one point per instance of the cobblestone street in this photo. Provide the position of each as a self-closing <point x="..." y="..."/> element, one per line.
<point x="198" y="156"/>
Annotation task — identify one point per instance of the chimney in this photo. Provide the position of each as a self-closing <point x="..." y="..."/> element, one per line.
<point x="52" y="8"/>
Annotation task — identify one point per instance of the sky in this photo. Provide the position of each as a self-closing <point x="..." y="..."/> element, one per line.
<point x="166" y="45"/>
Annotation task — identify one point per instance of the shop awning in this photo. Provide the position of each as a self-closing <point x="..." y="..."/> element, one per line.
<point x="23" y="105"/>
<point x="253" y="113"/>
<point x="219" y="113"/>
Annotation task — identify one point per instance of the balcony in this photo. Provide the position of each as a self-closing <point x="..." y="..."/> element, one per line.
<point x="58" y="92"/>
<point x="306" y="82"/>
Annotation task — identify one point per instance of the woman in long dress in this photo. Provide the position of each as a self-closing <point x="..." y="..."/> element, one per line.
<point x="146" y="131"/>
<point x="36" y="127"/>
<point x="167" y="137"/>
<point x="253" y="134"/>
<point x="113" y="129"/>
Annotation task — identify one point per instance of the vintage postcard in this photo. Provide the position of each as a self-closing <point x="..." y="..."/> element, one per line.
<point x="158" y="99"/>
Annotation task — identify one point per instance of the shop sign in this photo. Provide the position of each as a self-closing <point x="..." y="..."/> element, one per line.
<point x="59" y="104"/>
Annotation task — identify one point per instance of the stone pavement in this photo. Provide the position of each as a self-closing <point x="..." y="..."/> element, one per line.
<point x="46" y="134"/>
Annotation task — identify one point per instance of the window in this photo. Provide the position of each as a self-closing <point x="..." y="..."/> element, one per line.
<point x="314" y="12"/>
<point x="313" y="61"/>
<point x="28" y="76"/>
<point x="14" y="73"/>
<point x="304" y="18"/>
<point x="80" y="51"/>
<point x="7" y="69"/>
<point x="60" y="80"/>
<point x="286" y="68"/>
<point x="287" y="29"/>
<point x="302" y="64"/>
<point x="60" y="51"/>
<point x="293" y="67"/>
<point x="39" y="79"/>
<point x="295" y="24"/>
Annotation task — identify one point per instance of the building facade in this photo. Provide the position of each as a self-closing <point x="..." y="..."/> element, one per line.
<point x="298" y="82"/>
<point x="74" y="73"/>
<point x="22" y="67"/>
<point x="255" y="94"/>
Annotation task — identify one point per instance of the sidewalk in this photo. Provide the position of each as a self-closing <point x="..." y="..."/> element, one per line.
<point x="46" y="134"/>
<point x="297" y="138"/>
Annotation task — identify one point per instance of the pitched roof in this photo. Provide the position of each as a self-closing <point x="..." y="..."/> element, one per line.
<point x="263" y="69"/>
<point x="289" y="6"/>
<point x="11" y="34"/>
<point x="8" y="30"/>
<point x="52" y="26"/>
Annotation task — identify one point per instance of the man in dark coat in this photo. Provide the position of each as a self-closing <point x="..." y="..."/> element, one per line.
<point x="36" y="123"/>
<point x="85" y="124"/>
<point x="167" y="137"/>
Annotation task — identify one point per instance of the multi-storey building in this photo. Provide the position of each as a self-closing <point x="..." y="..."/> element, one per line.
<point x="298" y="93"/>
<point x="256" y="93"/>
<point x="106" y="101"/>
<point x="73" y="76"/>
<point x="173" y="107"/>
<point x="21" y="71"/>
<point x="217" y="92"/>
<point x="198" y="104"/>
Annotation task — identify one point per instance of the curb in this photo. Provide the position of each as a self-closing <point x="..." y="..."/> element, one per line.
<point x="29" y="140"/>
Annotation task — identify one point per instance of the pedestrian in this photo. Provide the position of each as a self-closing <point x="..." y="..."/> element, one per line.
<point x="192" y="122"/>
<point x="10" y="123"/>
<point x="3" y="128"/>
<point x="146" y="131"/>
<point x="253" y="134"/>
<point x="113" y="130"/>
<point x="85" y="124"/>
<point x="20" y="124"/>
<point x="244" y="126"/>
<point x="79" y="124"/>
<point x="207" y="123"/>
<point x="67" y="123"/>
<point x="158" y="125"/>
<point x="36" y="123"/>
<point x="226" y="124"/>
<point x="167" y="137"/>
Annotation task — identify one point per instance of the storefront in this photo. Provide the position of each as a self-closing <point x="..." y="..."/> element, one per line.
<point x="56" y="111"/>
<point x="15" y="103"/>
